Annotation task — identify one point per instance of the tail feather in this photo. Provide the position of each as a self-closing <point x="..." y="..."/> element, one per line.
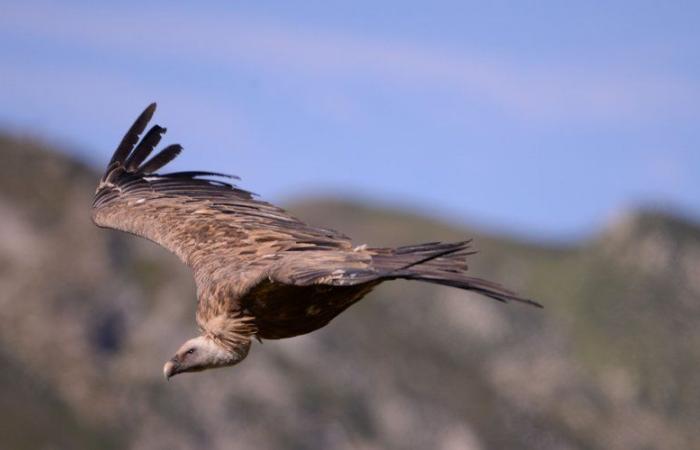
<point x="440" y="263"/>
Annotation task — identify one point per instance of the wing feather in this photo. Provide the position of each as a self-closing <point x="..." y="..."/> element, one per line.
<point x="214" y="226"/>
<point x="132" y="136"/>
<point x="161" y="159"/>
<point x="145" y="147"/>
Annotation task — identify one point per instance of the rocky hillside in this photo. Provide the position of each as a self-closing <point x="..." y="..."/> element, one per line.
<point x="88" y="317"/>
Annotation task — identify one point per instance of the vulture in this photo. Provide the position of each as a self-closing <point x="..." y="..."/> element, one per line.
<point x="260" y="272"/>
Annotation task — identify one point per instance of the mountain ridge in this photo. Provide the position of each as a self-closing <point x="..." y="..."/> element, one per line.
<point x="92" y="314"/>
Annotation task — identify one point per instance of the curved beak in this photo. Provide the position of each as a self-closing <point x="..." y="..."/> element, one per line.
<point x="170" y="368"/>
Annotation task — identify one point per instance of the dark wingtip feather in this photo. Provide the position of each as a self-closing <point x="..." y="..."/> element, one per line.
<point x="444" y="264"/>
<point x="145" y="147"/>
<point x="132" y="135"/>
<point x="160" y="159"/>
<point x="532" y="302"/>
<point x="433" y="251"/>
<point x="199" y="173"/>
<point x="496" y="291"/>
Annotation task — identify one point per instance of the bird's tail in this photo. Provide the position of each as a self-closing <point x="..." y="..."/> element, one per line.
<point x="440" y="263"/>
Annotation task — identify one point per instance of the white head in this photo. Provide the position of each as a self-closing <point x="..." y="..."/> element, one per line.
<point x="202" y="353"/>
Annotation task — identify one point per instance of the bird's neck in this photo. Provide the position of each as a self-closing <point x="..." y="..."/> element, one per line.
<point x="231" y="333"/>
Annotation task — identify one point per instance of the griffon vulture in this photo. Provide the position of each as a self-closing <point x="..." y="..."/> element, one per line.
<point x="260" y="273"/>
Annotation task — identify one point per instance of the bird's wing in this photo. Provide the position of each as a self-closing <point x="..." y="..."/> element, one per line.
<point x="434" y="262"/>
<point x="216" y="228"/>
<point x="336" y="268"/>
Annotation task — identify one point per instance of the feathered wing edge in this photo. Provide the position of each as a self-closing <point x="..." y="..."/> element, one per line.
<point x="131" y="175"/>
<point x="441" y="263"/>
<point x="129" y="157"/>
<point x="434" y="262"/>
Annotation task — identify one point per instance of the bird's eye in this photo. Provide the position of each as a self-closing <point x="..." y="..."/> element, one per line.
<point x="190" y="351"/>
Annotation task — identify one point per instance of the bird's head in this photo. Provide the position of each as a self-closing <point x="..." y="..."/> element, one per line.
<point x="202" y="353"/>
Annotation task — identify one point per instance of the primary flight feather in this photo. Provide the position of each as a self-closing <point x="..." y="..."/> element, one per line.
<point x="260" y="273"/>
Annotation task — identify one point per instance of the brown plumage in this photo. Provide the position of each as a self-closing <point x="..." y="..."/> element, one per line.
<point x="259" y="271"/>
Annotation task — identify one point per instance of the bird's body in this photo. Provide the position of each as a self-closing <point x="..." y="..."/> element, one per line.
<point x="259" y="271"/>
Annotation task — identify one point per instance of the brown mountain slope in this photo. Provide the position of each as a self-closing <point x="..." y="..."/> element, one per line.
<point x="88" y="317"/>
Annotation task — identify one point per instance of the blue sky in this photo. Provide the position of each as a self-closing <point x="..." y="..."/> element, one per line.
<point x="542" y="121"/>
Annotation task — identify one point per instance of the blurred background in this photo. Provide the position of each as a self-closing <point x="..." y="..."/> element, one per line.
<point x="562" y="136"/>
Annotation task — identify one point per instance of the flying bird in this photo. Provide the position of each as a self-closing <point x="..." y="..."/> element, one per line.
<point x="260" y="273"/>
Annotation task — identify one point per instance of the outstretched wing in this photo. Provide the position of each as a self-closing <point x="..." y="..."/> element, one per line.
<point x="434" y="262"/>
<point x="219" y="230"/>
